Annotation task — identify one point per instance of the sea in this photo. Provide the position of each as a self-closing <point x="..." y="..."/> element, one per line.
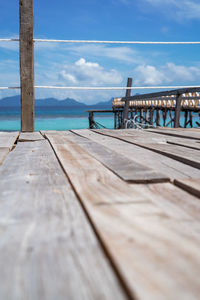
<point x="61" y="118"/>
<point x="54" y="118"/>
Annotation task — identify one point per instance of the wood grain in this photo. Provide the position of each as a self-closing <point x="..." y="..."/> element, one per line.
<point x="27" y="65"/>
<point x="154" y="245"/>
<point x="171" y="168"/>
<point x="3" y="153"/>
<point x="122" y="166"/>
<point x="149" y="137"/>
<point x="176" y="152"/>
<point x="48" y="249"/>
<point x="7" y="139"/>
<point x="189" y="134"/>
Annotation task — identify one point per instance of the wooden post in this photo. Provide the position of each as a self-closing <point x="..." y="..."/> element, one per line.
<point x="91" y="120"/>
<point x="115" y="121"/>
<point x="158" y="117"/>
<point x="27" y="65"/>
<point x="126" y="105"/>
<point x="151" y="116"/>
<point x="177" y="111"/>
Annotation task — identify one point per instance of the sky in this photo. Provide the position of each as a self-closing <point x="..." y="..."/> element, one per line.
<point x="104" y="64"/>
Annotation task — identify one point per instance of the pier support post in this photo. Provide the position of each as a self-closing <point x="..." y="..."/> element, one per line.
<point x="126" y="105"/>
<point x="27" y="65"/>
<point x="91" y="120"/>
<point x="177" y="111"/>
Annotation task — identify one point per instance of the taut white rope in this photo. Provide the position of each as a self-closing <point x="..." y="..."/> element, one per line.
<point x="9" y="40"/>
<point x="115" y="42"/>
<point x="106" y="42"/>
<point x="113" y="88"/>
<point x="9" y="87"/>
<point x="101" y="88"/>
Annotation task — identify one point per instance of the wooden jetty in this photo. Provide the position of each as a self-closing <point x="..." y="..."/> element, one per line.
<point x="154" y="109"/>
<point x="159" y="109"/>
<point x="100" y="214"/>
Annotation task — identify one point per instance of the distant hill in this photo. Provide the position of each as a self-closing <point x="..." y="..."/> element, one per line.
<point x="14" y="101"/>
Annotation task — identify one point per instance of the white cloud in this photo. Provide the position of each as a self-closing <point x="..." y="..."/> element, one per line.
<point x="182" y="9"/>
<point x="83" y="73"/>
<point x="78" y="73"/>
<point x="148" y="75"/>
<point x="167" y="74"/>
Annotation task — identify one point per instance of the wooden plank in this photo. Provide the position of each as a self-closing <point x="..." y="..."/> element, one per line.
<point x="155" y="249"/>
<point x="182" y="154"/>
<point x="149" y="137"/>
<point x="3" y="153"/>
<point x="30" y="136"/>
<point x="175" y="201"/>
<point x="190" y="185"/>
<point x="193" y="145"/>
<point x="125" y="168"/>
<point x="172" y="168"/>
<point x="188" y="134"/>
<point x="27" y="65"/>
<point x="89" y="168"/>
<point x="48" y="249"/>
<point x="7" y="139"/>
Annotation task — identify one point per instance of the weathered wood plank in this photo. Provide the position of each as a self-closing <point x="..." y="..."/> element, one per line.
<point x="7" y="139"/>
<point x="172" y="168"/>
<point x="182" y="154"/>
<point x="155" y="249"/>
<point x="149" y="137"/>
<point x="3" y="153"/>
<point x="47" y="247"/>
<point x="175" y="201"/>
<point x="190" y="185"/>
<point x="189" y="134"/>
<point x="30" y="136"/>
<point x="27" y="65"/>
<point x="83" y="165"/>
<point x="125" y="168"/>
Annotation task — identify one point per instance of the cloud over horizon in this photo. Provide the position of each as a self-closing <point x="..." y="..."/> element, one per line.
<point x="170" y="73"/>
<point x="83" y="72"/>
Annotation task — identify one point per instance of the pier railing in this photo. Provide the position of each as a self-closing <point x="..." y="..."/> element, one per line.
<point x="184" y="99"/>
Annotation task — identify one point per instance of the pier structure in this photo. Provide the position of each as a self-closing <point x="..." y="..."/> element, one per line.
<point x="159" y="109"/>
<point x="100" y="214"/>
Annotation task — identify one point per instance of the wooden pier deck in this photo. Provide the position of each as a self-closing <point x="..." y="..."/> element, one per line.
<point x="100" y="214"/>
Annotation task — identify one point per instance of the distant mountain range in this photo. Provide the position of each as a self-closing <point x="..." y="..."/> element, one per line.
<point x="14" y="101"/>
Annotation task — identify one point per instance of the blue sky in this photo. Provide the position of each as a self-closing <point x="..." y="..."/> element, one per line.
<point x="104" y="65"/>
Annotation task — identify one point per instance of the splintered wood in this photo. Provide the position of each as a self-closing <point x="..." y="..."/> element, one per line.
<point x="100" y="214"/>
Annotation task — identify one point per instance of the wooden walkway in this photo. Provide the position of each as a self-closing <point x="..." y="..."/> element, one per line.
<point x="100" y="214"/>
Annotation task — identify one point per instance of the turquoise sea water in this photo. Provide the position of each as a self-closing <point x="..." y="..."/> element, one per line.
<point x="54" y="118"/>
